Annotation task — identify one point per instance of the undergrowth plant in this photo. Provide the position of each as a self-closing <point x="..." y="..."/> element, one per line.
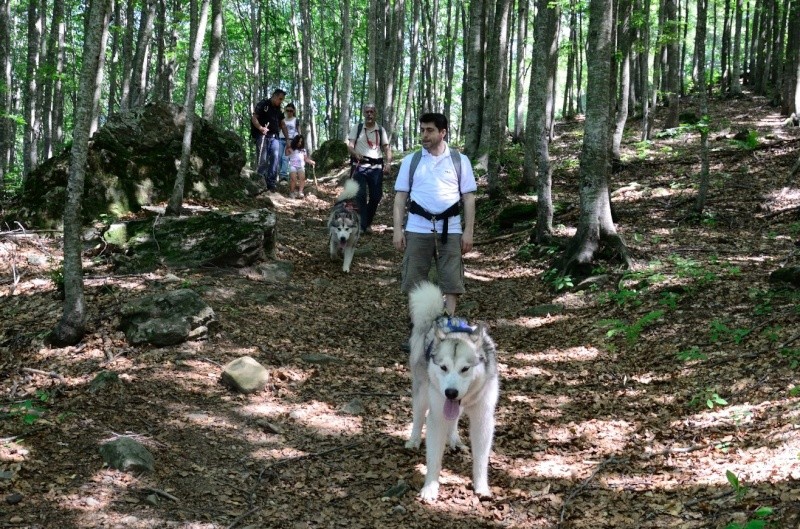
<point x="631" y="331"/>
<point x="29" y="410"/>
<point x="758" y="519"/>
<point x="708" y="397"/>
<point x="720" y="332"/>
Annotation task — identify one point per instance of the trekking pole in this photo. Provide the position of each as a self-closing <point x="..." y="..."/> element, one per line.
<point x="261" y="153"/>
<point x="314" y="174"/>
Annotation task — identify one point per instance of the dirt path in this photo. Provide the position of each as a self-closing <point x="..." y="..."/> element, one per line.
<point x="624" y="431"/>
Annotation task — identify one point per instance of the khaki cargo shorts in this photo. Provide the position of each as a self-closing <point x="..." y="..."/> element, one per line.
<point x="424" y="248"/>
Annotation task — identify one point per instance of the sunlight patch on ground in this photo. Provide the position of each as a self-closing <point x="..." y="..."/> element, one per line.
<point x="530" y="322"/>
<point x="324" y="420"/>
<point x="554" y="467"/>
<point x="554" y="356"/>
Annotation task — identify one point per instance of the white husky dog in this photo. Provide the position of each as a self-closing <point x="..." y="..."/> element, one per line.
<point x="344" y="224"/>
<point x="453" y="369"/>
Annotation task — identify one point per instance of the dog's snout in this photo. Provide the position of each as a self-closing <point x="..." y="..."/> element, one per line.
<point x="451" y="393"/>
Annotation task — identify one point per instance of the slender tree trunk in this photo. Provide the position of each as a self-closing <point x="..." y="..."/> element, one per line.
<point x="790" y="102"/>
<point x="624" y="39"/>
<point x="192" y="80"/>
<point x="736" y="71"/>
<point x="700" y="36"/>
<point x="409" y="129"/>
<point x="55" y="66"/>
<point x="473" y="98"/>
<point x="127" y="55"/>
<point x="520" y="70"/>
<point x="493" y="127"/>
<point x="346" y="91"/>
<point x="595" y="224"/>
<point x="540" y="101"/>
<point x="725" y="49"/>
<point x="569" y="85"/>
<point x="138" y="94"/>
<point x="6" y="139"/>
<point x="214" y="56"/>
<point x="645" y="74"/>
<point x="32" y="131"/>
<point x="72" y="325"/>
<point x="672" y="32"/>
<point x="114" y="66"/>
<point x="450" y="58"/>
<point x="98" y="87"/>
<point x="305" y="68"/>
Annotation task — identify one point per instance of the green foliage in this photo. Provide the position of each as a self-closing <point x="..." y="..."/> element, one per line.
<point x="693" y="353"/>
<point x="708" y="397"/>
<point x="758" y="520"/>
<point x="526" y="252"/>
<point x="57" y="278"/>
<point x="633" y="330"/>
<point x="792" y="355"/>
<point x="720" y="332"/>
<point x="30" y="410"/>
<point x="750" y="143"/>
<point x="557" y="280"/>
<point x="669" y="299"/>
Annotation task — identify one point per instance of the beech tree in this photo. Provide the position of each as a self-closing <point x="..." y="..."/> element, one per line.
<point x="71" y="327"/>
<point x="595" y="225"/>
<point x="199" y="22"/>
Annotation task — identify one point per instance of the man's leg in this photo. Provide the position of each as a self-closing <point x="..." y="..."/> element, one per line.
<point x="261" y="158"/>
<point x="450" y="270"/>
<point x="273" y="161"/>
<point x="375" y="184"/>
<point x="359" y="175"/>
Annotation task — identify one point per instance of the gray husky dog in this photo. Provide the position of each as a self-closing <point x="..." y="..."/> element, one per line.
<point x="454" y="370"/>
<point x="344" y="225"/>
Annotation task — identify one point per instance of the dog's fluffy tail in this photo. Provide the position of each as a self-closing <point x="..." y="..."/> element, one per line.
<point x="350" y="190"/>
<point x="425" y="303"/>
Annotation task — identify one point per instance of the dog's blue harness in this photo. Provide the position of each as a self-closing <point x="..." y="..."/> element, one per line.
<point x="449" y="324"/>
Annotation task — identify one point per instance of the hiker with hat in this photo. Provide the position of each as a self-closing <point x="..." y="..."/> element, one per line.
<point x="370" y="160"/>
<point x="265" y="124"/>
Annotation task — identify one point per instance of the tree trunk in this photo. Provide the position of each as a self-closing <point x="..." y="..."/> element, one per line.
<point x="72" y="325"/>
<point x="569" y="85"/>
<point x="450" y="59"/>
<point x="346" y="90"/>
<point x="595" y="224"/>
<point x="645" y="73"/>
<point x="305" y="68"/>
<point x="624" y="49"/>
<point x="540" y="99"/>
<point x="6" y="137"/>
<point x="114" y="66"/>
<point x="409" y="123"/>
<point x="736" y="70"/>
<point x="673" y="74"/>
<point x="214" y="55"/>
<point x="30" y="143"/>
<point x="521" y="60"/>
<point x="791" y="98"/>
<point x="127" y="56"/>
<point x="138" y="91"/>
<point x="700" y="36"/>
<point x="473" y="97"/>
<point x="725" y="49"/>
<point x="98" y="87"/>
<point x="54" y="69"/>
<point x="192" y="79"/>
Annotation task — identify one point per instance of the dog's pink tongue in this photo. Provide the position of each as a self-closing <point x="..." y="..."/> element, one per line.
<point x="451" y="409"/>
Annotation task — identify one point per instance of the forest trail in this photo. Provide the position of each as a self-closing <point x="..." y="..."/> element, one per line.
<point x="625" y="406"/>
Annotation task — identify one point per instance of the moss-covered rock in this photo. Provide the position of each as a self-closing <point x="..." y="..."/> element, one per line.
<point x="188" y="242"/>
<point x="133" y="162"/>
<point x="331" y="155"/>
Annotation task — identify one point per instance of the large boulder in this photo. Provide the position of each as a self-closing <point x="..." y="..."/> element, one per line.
<point x="331" y="155"/>
<point x="133" y="160"/>
<point x="213" y="238"/>
<point x="167" y="318"/>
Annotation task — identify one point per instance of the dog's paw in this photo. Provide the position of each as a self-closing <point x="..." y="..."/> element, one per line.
<point x="429" y="492"/>
<point x="413" y="444"/>
<point x="483" y="491"/>
<point x="457" y="445"/>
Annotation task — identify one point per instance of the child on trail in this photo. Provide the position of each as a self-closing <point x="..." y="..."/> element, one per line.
<point x="298" y="158"/>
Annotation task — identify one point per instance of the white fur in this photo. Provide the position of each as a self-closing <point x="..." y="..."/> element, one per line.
<point x="462" y="366"/>
<point x="344" y="227"/>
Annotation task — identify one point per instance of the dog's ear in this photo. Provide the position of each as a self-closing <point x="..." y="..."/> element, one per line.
<point x="480" y="334"/>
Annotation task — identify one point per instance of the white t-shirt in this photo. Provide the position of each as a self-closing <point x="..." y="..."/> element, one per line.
<point x="435" y="188"/>
<point x="370" y="141"/>
<point x="291" y="127"/>
<point x="297" y="160"/>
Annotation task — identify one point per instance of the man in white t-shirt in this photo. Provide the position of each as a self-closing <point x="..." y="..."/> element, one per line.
<point x="433" y="231"/>
<point x="371" y="158"/>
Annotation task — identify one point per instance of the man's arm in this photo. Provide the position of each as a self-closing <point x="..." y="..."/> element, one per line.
<point x="387" y="158"/>
<point x="469" y="222"/>
<point x="261" y="128"/>
<point x="351" y="148"/>
<point x="398" y="214"/>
